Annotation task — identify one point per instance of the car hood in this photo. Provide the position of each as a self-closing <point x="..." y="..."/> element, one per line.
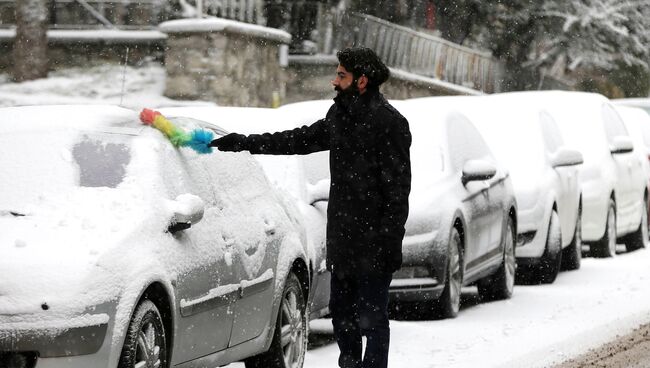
<point x="64" y="256"/>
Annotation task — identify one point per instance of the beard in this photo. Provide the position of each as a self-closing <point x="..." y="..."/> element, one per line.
<point x="348" y="96"/>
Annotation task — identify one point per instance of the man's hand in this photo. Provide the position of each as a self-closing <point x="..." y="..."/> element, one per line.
<point x="231" y="142"/>
<point x="147" y="116"/>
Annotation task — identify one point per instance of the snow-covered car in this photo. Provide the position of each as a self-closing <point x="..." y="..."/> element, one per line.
<point x="637" y="122"/>
<point x="119" y="250"/>
<point x="304" y="178"/>
<point x="544" y="172"/>
<point x="462" y="219"/>
<point x="614" y="189"/>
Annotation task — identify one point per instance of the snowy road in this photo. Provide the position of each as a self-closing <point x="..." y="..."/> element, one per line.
<point x="538" y="327"/>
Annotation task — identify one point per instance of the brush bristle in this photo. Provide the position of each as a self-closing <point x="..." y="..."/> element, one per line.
<point x="200" y="141"/>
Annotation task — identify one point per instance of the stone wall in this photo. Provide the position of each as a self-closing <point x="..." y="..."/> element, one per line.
<point x="309" y="78"/>
<point x="228" y="62"/>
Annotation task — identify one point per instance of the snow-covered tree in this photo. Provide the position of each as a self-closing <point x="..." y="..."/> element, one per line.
<point x="30" y="46"/>
<point x="534" y="35"/>
<point x="595" y="33"/>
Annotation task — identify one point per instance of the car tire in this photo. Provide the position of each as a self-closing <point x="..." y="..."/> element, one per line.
<point x="548" y="267"/>
<point x="289" y="343"/>
<point x="572" y="255"/>
<point x="500" y="285"/>
<point x="606" y="246"/>
<point x="145" y="340"/>
<point x="448" y="304"/>
<point x="639" y="237"/>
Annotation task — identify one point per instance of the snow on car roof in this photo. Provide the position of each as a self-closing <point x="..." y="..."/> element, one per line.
<point x="575" y="114"/>
<point x="86" y="117"/>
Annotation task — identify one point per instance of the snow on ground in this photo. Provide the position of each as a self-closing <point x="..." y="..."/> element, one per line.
<point x="539" y="327"/>
<point x="143" y="87"/>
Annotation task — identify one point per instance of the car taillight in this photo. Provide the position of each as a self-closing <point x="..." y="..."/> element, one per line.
<point x="18" y="360"/>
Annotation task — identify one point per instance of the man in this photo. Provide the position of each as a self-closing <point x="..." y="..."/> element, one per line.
<point x="368" y="204"/>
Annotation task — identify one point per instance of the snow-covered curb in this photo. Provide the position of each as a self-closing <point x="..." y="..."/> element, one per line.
<point x="224" y="25"/>
<point x="97" y="35"/>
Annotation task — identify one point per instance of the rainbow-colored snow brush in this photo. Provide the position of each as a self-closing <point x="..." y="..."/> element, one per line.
<point x="198" y="139"/>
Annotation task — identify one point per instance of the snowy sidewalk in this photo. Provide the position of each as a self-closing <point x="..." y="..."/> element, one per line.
<point x="538" y="327"/>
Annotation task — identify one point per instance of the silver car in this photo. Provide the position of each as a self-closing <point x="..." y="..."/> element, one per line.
<point x="119" y="250"/>
<point x="463" y="217"/>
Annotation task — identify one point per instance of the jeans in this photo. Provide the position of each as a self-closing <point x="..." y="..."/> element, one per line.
<point x="359" y="307"/>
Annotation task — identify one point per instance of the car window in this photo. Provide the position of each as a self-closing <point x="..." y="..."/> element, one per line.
<point x="464" y="142"/>
<point x="614" y="126"/>
<point x="550" y="133"/>
<point x="101" y="159"/>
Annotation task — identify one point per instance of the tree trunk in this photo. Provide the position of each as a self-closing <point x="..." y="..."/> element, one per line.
<point x="30" y="46"/>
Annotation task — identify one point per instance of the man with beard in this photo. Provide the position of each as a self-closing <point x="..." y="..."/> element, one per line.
<point x="368" y="203"/>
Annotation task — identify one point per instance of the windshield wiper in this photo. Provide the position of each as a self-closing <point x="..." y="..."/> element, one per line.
<point x="13" y="213"/>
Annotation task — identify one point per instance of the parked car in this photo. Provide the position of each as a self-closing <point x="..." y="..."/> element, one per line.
<point x="637" y="122"/>
<point x="119" y="250"/>
<point x="462" y="220"/>
<point x="614" y="190"/>
<point x="304" y="178"/>
<point x="544" y="176"/>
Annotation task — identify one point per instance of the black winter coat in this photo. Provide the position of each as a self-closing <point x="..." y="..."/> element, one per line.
<point x="370" y="178"/>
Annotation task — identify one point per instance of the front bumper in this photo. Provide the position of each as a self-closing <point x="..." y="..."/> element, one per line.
<point x="424" y="257"/>
<point x="60" y="338"/>
<point x="415" y="289"/>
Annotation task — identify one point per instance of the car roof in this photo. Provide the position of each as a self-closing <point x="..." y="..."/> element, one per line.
<point x="100" y="118"/>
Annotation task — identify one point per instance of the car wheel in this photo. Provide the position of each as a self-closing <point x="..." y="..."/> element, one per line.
<point x="289" y="343"/>
<point x="638" y="238"/>
<point x="572" y="255"/>
<point x="500" y="285"/>
<point x="546" y="271"/>
<point x="448" y="304"/>
<point x="145" y="342"/>
<point x="606" y="246"/>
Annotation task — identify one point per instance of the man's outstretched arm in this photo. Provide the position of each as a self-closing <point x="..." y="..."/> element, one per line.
<point x="298" y="141"/>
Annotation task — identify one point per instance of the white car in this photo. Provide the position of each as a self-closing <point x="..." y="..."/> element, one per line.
<point x="304" y="178"/>
<point x="544" y="172"/>
<point x="637" y="122"/>
<point x="119" y="250"/>
<point x="614" y="190"/>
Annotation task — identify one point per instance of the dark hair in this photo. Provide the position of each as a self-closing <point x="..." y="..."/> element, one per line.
<point x="363" y="61"/>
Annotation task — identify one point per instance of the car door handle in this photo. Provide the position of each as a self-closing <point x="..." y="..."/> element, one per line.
<point x="228" y="241"/>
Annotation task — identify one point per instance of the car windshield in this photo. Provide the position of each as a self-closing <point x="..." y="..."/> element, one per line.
<point x="518" y="145"/>
<point x="58" y="163"/>
<point x="427" y="157"/>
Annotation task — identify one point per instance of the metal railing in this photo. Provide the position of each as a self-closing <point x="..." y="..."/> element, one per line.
<point x="248" y="11"/>
<point x="416" y="52"/>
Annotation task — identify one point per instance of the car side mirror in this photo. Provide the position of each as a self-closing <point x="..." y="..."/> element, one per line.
<point x="566" y="157"/>
<point x="478" y="170"/>
<point x="187" y="210"/>
<point x="319" y="191"/>
<point x="621" y="144"/>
